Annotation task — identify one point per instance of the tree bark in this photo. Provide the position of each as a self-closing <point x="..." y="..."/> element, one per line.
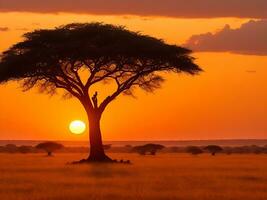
<point x="97" y="153"/>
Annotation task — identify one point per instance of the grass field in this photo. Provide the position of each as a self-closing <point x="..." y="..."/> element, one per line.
<point x="164" y="177"/>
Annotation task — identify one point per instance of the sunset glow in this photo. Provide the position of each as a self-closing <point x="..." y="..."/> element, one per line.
<point x="133" y="99"/>
<point x="77" y="127"/>
<point x="226" y="101"/>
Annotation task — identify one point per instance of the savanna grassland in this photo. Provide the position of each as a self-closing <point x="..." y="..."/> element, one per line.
<point x="165" y="176"/>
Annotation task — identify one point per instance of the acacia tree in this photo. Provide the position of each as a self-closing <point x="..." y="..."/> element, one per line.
<point x="151" y="148"/>
<point x="59" y="58"/>
<point x="49" y="147"/>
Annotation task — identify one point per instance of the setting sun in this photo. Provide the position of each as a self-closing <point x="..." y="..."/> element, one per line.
<point x="77" y="127"/>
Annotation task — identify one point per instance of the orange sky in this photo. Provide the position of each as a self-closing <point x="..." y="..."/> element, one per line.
<point x="226" y="101"/>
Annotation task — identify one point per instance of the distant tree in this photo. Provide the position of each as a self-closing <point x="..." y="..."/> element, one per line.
<point x="194" y="150"/>
<point x="49" y="147"/>
<point x="11" y="148"/>
<point x="25" y="149"/>
<point x="54" y="59"/>
<point x="213" y="149"/>
<point x="152" y="149"/>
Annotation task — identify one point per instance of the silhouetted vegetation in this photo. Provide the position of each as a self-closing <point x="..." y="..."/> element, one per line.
<point x="26" y="149"/>
<point x="11" y="148"/>
<point x="54" y="59"/>
<point x="252" y="149"/>
<point x="213" y="149"/>
<point x="194" y="150"/>
<point x="49" y="147"/>
<point x="174" y="149"/>
<point x="151" y="149"/>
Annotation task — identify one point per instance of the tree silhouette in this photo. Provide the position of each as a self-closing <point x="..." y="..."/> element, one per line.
<point x="56" y="58"/>
<point x="150" y="148"/>
<point x="49" y="147"/>
<point x="213" y="149"/>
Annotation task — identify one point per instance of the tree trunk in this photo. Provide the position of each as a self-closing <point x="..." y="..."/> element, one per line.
<point x="97" y="153"/>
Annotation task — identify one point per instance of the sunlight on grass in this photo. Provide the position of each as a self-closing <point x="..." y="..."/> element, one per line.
<point x="166" y="176"/>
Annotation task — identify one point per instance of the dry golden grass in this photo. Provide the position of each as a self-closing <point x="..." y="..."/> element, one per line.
<point x="164" y="177"/>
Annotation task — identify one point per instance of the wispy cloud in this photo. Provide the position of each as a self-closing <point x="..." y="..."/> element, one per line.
<point x="250" y="38"/>
<point x="171" y="8"/>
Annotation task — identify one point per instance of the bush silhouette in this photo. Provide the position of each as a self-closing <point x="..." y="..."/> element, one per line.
<point x="194" y="150"/>
<point x="213" y="149"/>
<point x="11" y="148"/>
<point x="25" y="149"/>
<point x="49" y="147"/>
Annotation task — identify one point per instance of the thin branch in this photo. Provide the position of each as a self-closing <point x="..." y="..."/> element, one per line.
<point x="75" y="72"/>
<point x="70" y="80"/>
<point x="123" y="86"/>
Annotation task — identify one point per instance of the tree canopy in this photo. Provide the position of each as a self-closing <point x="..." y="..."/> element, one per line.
<point x="52" y="59"/>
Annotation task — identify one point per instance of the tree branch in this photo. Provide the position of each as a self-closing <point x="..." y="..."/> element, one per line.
<point x="75" y="72"/>
<point x="70" y="80"/>
<point x="122" y="87"/>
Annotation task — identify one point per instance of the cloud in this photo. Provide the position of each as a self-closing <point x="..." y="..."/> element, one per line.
<point x="4" y="29"/>
<point x="250" y="38"/>
<point x="171" y="8"/>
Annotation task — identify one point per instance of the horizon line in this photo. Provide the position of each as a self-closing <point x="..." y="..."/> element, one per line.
<point x="152" y="140"/>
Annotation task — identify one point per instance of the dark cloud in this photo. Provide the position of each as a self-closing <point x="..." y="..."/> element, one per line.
<point x="250" y="38"/>
<point x="4" y="28"/>
<point x="171" y="8"/>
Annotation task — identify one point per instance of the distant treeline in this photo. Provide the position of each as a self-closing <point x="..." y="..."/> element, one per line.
<point x="224" y="149"/>
<point x="148" y="149"/>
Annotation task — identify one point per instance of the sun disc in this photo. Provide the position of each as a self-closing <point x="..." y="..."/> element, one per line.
<point x="77" y="127"/>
